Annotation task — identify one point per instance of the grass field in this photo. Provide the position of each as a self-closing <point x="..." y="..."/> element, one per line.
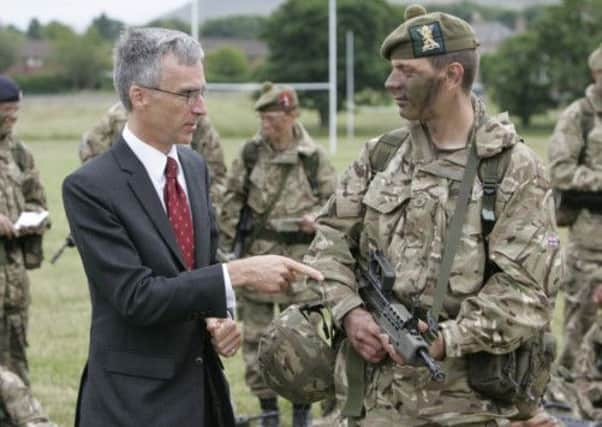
<point x="58" y="335"/>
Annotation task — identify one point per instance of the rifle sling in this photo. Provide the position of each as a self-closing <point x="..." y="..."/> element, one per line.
<point x="263" y="219"/>
<point x="354" y="370"/>
<point x="454" y="230"/>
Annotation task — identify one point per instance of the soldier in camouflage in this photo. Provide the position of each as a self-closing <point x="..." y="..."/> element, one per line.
<point x="403" y="207"/>
<point x="18" y="408"/>
<point x="20" y="190"/>
<point x="289" y="178"/>
<point x="575" y="164"/>
<point x="205" y="141"/>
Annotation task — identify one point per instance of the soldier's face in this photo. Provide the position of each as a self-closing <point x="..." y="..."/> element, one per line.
<point x="414" y="85"/>
<point x="172" y="109"/>
<point x="276" y="125"/>
<point x="8" y="116"/>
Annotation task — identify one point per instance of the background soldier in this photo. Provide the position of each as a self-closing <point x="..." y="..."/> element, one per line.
<point x="576" y="165"/>
<point x="20" y="191"/>
<point x="18" y="408"/>
<point x="281" y="178"/>
<point x="400" y="200"/>
<point x="205" y="141"/>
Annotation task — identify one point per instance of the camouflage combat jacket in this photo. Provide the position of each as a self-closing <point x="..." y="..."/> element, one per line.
<point x="404" y="211"/>
<point x="576" y="164"/>
<point x="205" y="141"/>
<point x="20" y="190"/>
<point x="296" y="199"/>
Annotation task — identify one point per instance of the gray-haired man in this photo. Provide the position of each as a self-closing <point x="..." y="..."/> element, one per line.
<point x="142" y="221"/>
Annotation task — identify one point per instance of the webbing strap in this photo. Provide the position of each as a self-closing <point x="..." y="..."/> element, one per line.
<point x="455" y="229"/>
<point x="354" y="370"/>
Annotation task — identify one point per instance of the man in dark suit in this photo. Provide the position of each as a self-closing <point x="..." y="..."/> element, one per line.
<point x="142" y="221"/>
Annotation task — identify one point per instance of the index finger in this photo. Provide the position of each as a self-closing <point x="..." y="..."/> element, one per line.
<point x="304" y="269"/>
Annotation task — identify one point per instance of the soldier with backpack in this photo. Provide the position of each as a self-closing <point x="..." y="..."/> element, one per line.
<point x="575" y="154"/>
<point x="463" y="213"/>
<point x="274" y="189"/>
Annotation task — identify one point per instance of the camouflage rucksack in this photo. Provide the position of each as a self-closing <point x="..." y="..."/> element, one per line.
<point x="297" y="353"/>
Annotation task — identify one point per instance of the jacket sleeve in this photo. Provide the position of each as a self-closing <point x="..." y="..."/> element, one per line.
<point x="517" y="301"/>
<point x="565" y="147"/>
<point x="338" y="229"/>
<point x="33" y="191"/>
<point x="116" y="271"/>
<point x="209" y="146"/>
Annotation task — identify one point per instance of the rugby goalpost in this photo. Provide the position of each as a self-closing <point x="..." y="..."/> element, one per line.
<point x="330" y="85"/>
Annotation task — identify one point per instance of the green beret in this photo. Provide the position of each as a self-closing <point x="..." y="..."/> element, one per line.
<point x="276" y="97"/>
<point x="595" y="59"/>
<point x="428" y="34"/>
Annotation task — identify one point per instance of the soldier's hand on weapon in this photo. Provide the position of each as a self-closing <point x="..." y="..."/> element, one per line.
<point x="6" y="227"/>
<point x="597" y="295"/>
<point x="436" y="349"/>
<point x="268" y="273"/>
<point x="364" y="335"/>
<point x="225" y="335"/>
<point x="308" y="224"/>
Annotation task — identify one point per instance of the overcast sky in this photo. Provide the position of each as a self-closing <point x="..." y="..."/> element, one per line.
<point x="79" y="13"/>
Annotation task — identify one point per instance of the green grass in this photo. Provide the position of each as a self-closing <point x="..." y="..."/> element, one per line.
<point x="60" y="312"/>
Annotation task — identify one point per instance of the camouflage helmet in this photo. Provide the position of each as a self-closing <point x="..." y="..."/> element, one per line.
<point x="595" y="59"/>
<point x="425" y="34"/>
<point x="276" y="97"/>
<point x="296" y="361"/>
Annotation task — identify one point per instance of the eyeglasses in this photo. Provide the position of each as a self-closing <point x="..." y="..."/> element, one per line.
<point x="191" y="96"/>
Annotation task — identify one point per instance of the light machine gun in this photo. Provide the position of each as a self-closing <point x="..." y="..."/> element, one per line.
<point x="375" y="289"/>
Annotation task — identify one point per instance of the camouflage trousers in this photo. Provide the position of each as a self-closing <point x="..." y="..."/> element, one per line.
<point x="582" y="277"/>
<point x="13" y="342"/>
<point x="256" y="318"/>
<point x="17" y="405"/>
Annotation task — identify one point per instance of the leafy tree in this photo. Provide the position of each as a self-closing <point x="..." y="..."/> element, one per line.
<point x="226" y="64"/>
<point x="518" y="82"/>
<point x="239" y="26"/>
<point x="297" y="35"/>
<point x="84" y="58"/>
<point x="10" y="41"/>
<point x="56" y="30"/>
<point x="34" y="29"/>
<point x="108" y="28"/>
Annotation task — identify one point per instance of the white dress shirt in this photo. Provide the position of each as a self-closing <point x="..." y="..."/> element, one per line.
<point x="154" y="161"/>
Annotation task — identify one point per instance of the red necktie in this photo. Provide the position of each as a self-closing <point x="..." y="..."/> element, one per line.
<point x="179" y="212"/>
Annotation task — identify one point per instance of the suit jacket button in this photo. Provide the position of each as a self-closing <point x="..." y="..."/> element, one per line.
<point x="198" y="360"/>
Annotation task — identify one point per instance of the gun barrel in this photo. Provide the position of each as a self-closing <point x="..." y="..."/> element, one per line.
<point x="436" y="373"/>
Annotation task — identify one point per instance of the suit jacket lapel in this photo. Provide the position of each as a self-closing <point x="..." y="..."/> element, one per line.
<point x="144" y="191"/>
<point x="197" y="187"/>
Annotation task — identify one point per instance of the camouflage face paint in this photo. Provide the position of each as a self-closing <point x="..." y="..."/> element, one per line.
<point x="421" y="92"/>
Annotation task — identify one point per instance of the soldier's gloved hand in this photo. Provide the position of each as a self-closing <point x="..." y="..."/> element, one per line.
<point x="308" y="224"/>
<point x="436" y="349"/>
<point x="364" y="335"/>
<point x="6" y="227"/>
<point x="225" y="335"/>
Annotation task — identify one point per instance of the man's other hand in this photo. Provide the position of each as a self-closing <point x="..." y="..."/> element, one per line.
<point x="268" y="273"/>
<point x="225" y="335"/>
<point x="364" y="335"/>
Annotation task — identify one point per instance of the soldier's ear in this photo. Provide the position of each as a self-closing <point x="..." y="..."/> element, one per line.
<point x="454" y="74"/>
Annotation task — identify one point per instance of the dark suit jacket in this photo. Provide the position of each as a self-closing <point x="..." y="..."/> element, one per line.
<point x="150" y="361"/>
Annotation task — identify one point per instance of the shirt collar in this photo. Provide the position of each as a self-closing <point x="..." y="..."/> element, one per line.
<point x="154" y="161"/>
